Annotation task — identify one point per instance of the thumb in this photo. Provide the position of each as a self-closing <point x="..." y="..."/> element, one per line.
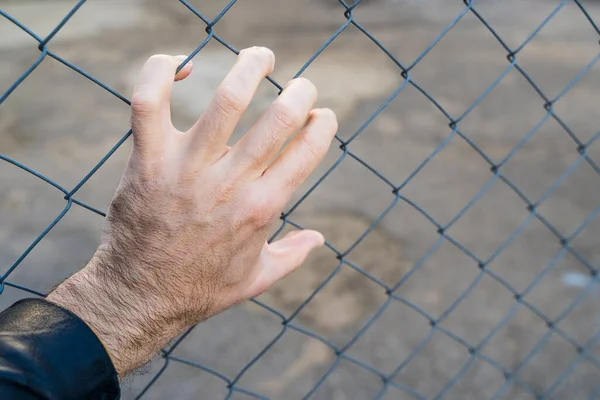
<point x="282" y="257"/>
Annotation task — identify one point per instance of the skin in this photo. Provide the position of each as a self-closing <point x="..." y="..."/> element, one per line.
<point x="185" y="234"/>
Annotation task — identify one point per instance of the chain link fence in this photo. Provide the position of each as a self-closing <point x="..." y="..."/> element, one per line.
<point x="513" y="382"/>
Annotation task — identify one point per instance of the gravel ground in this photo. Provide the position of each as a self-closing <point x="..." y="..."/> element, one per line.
<point x="60" y="124"/>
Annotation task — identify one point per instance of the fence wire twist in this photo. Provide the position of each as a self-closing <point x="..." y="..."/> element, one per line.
<point x="396" y="189"/>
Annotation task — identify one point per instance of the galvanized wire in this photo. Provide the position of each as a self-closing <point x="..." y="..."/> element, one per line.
<point x="388" y="380"/>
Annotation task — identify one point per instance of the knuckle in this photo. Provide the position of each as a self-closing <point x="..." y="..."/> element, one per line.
<point x="146" y="98"/>
<point x="297" y="178"/>
<point x="261" y="209"/>
<point x="144" y="104"/>
<point x="286" y="115"/>
<point x="254" y="158"/>
<point x="311" y="149"/>
<point x="228" y="101"/>
<point x="225" y="193"/>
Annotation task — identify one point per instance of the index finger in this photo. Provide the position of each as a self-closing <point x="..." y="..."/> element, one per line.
<point x="209" y="136"/>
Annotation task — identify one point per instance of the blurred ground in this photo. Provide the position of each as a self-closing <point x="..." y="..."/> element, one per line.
<point x="60" y="124"/>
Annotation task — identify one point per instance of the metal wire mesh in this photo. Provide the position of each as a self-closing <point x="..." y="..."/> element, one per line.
<point x="347" y="18"/>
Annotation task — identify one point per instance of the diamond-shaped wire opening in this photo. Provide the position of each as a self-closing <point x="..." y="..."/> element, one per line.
<point x="455" y="164"/>
<point x="580" y="177"/>
<point x="485" y="232"/>
<point x="261" y="327"/>
<point x="290" y="294"/>
<point x="593" y="152"/>
<point x="291" y="367"/>
<point x="411" y="230"/>
<point x="515" y="21"/>
<point x="198" y="382"/>
<point x="572" y="287"/>
<point x="386" y="252"/>
<point x="454" y="82"/>
<point x="438" y="360"/>
<point x="577" y="374"/>
<point x="572" y="107"/>
<point x="340" y="306"/>
<point x="592" y="350"/>
<point x="516" y="335"/>
<point x="73" y="143"/>
<point x="409" y="130"/>
<point x="386" y="21"/>
<point x="322" y="187"/>
<point x="107" y="28"/>
<point x="343" y="183"/>
<point x="581" y="245"/>
<point x="64" y="250"/>
<point x="578" y="381"/>
<point x="99" y="189"/>
<point x="244" y="24"/>
<point x="366" y="248"/>
<point x="340" y="184"/>
<point x="557" y="52"/>
<point x="386" y="343"/>
<point x="483" y="309"/>
<point x="25" y="215"/>
<point x="478" y="381"/>
<point x="355" y="101"/>
<point x="541" y="369"/>
<point x="496" y="133"/>
<point x="80" y="30"/>
<point x="547" y="156"/>
<point x="42" y="17"/>
<point x="391" y="392"/>
<point x="454" y="270"/>
<point x="526" y="256"/>
<point x="349" y="379"/>
<point x="114" y="57"/>
<point x="209" y="11"/>
<point x="591" y="12"/>
<point x="18" y="47"/>
<point x="493" y="336"/>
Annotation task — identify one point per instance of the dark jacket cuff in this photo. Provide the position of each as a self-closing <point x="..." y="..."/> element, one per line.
<point x="52" y="354"/>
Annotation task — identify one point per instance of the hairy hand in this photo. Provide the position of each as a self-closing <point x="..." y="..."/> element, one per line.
<point x="185" y="233"/>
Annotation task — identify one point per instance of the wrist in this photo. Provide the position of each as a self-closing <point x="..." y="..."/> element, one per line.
<point x="130" y="323"/>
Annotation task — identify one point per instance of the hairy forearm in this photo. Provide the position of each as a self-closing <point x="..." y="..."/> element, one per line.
<point x="131" y="324"/>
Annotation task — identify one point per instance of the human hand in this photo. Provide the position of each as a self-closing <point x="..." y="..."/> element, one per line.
<point x="185" y="235"/>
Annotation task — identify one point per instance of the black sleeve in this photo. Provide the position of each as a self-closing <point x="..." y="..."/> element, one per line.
<point x="47" y="352"/>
